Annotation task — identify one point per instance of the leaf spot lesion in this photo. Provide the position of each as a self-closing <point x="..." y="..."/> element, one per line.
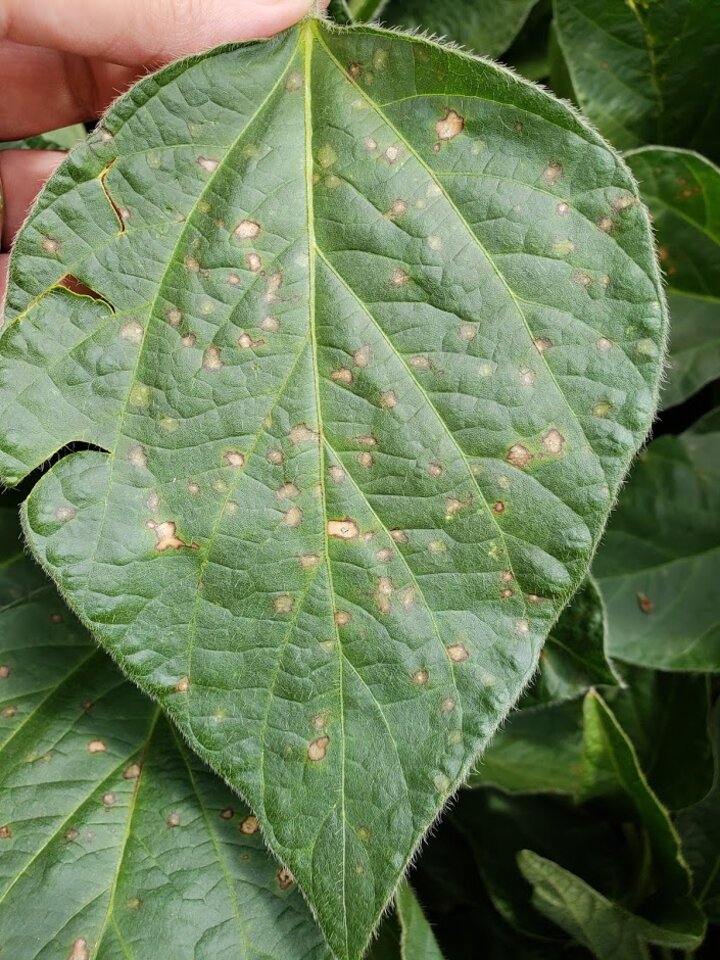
<point x="166" y="536"/>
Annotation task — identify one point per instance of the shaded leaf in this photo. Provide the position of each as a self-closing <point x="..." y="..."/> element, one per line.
<point x="659" y="908"/>
<point x="364" y="418"/>
<point x="386" y="946"/>
<point x="483" y="26"/>
<point x="666" y="717"/>
<point x="607" y="929"/>
<point x="417" y="939"/>
<point x="659" y="561"/>
<point x="574" y="658"/>
<point x="611" y="771"/>
<point x="114" y="838"/>
<point x="560" y="80"/>
<point x="540" y="749"/>
<point x="682" y="190"/>
<point x="340" y="11"/>
<point x="637" y="71"/>
<point x="63" y="139"/>
<point x="537" y="750"/>
<point x="366" y="10"/>
<point x="499" y="826"/>
<point x="699" y="828"/>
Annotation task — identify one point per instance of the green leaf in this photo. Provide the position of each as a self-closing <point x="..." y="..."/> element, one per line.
<point x="340" y="11"/>
<point x="637" y="73"/>
<point x="386" y="946"/>
<point x="699" y="828"/>
<point x="659" y="561"/>
<point x="63" y="139"/>
<point x="499" y="826"/>
<point x="560" y="80"/>
<point x="666" y="717"/>
<point x="366" y="10"/>
<point x="114" y="838"/>
<point x="682" y="190"/>
<point x="574" y="658"/>
<point x="418" y="941"/>
<point x="611" y="771"/>
<point x="362" y="409"/>
<point x="618" y="852"/>
<point x="484" y="26"/>
<point x="538" y="750"/>
<point x="607" y="929"/>
<point x="660" y="909"/>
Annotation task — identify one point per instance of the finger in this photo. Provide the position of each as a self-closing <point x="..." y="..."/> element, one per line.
<point x="22" y="175"/>
<point x="4" y="260"/>
<point x="45" y="89"/>
<point x="149" y="32"/>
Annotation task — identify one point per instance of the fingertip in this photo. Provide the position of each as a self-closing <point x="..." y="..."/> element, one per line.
<point x="23" y="174"/>
<point x="148" y="33"/>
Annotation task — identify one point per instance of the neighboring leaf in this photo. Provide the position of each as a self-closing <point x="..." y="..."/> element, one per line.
<point x="452" y="890"/>
<point x="659" y="908"/>
<point x="528" y="54"/>
<point x="369" y="375"/>
<point x="560" y="80"/>
<point x="62" y="139"/>
<point x="659" y="562"/>
<point x="386" y="946"/>
<point x="114" y="838"/>
<point x="708" y="423"/>
<point x="611" y="771"/>
<point x="573" y="658"/>
<point x="417" y="939"/>
<point x="363" y="11"/>
<point x="540" y="749"/>
<point x="637" y="71"/>
<point x="339" y="11"/>
<point x="699" y="828"/>
<point x="499" y="826"/>
<point x="682" y="190"/>
<point x="483" y="26"/>
<point x="537" y="750"/>
<point x="607" y="929"/>
<point x="666" y="717"/>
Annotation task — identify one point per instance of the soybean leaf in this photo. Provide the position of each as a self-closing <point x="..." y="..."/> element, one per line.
<point x="659" y="561"/>
<point x="699" y="827"/>
<point x="636" y="71"/>
<point x="659" y="908"/>
<point x="340" y="11"/>
<point x="574" y="658"/>
<point x="538" y="750"/>
<point x="114" y="838"/>
<point x="386" y="946"/>
<point x="365" y="10"/>
<point x="484" y="26"/>
<point x="611" y="771"/>
<point x="417" y="939"/>
<point x="499" y="826"/>
<point x="682" y="190"/>
<point x="63" y="139"/>
<point x="560" y="81"/>
<point x="363" y="401"/>
<point x="606" y="928"/>
<point x="666" y="717"/>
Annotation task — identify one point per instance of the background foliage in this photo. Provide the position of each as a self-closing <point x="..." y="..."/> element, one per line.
<point x="590" y="827"/>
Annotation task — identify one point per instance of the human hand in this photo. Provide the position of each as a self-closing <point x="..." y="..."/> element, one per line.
<point x="64" y="61"/>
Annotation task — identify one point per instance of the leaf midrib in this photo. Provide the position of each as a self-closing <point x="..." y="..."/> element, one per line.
<point x="307" y="34"/>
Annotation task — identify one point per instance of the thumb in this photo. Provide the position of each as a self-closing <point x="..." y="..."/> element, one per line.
<point x="135" y="32"/>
